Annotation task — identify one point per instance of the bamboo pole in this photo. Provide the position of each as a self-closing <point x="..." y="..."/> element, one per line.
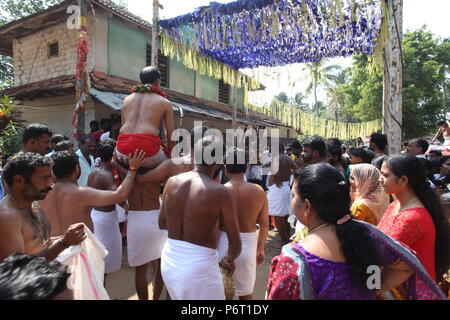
<point x="392" y="80"/>
<point x="155" y="30"/>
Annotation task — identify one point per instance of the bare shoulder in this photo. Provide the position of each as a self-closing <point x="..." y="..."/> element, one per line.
<point x="257" y="189"/>
<point x="8" y="215"/>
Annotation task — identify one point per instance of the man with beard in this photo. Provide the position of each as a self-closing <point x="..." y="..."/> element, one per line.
<point x="314" y="151"/>
<point x="69" y="203"/>
<point x="23" y="226"/>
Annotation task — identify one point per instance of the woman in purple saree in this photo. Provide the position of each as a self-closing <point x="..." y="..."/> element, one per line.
<point x="341" y="258"/>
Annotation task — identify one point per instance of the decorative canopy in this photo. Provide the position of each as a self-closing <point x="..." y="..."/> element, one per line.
<point x="252" y="33"/>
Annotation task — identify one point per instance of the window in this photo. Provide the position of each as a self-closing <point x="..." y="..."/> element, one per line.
<point x="163" y="65"/>
<point x="223" y="92"/>
<point x="53" y="49"/>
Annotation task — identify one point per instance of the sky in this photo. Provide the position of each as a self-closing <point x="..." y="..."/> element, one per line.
<point x="416" y="13"/>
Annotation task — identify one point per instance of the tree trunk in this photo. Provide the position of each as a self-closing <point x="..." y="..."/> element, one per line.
<point x="392" y="85"/>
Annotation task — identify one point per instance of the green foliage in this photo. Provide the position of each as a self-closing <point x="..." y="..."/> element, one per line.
<point x="11" y="127"/>
<point x="425" y="67"/>
<point x="283" y="97"/>
<point x="320" y="74"/>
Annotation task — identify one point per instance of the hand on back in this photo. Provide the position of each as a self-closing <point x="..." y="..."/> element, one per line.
<point x="137" y="159"/>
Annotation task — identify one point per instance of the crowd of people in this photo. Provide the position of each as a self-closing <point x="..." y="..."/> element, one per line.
<point x="339" y="213"/>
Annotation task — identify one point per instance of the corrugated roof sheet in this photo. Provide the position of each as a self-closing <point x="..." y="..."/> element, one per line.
<point x="115" y="101"/>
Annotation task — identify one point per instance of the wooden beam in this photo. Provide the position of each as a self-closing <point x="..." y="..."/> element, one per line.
<point x="392" y="80"/>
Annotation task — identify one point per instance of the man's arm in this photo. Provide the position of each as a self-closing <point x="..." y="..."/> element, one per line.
<point x="438" y="134"/>
<point x="263" y="221"/>
<point x="158" y="174"/>
<point x="231" y="225"/>
<point x="168" y="122"/>
<point x="94" y="197"/>
<point x="162" y="221"/>
<point x="74" y="235"/>
<point x="11" y="238"/>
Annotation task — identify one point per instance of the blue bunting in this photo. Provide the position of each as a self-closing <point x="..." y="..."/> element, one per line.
<point x="252" y="33"/>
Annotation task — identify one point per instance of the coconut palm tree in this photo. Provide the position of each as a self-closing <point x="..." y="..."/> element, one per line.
<point x="320" y="74"/>
<point x="335" y="96"/>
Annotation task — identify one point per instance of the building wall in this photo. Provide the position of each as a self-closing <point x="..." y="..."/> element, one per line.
<point x="181" y="79"/>
<point x="32" y="62"/>
<point x="56" y="113"/>
<point x="209" y="88"/>
<point x="127" y="49"/>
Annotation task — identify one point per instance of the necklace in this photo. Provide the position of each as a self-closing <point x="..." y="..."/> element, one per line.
<point x="401" y="208"/>
<point x="318" y="227"/>
<point x="16" y="203"/>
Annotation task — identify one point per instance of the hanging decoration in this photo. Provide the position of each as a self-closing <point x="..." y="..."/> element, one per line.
<point x="82" y="85"/>
<point x="149" y="89"/>
<point x="248" y="34"/>
<point x="310" y="124"/>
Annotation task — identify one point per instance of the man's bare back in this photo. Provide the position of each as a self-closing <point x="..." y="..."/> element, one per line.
<point x="250" y="200"/>
<point x="194" y="206"/>
<point x="144" y="112"/>
<point x="286" y="166"/>
<point x="63" y="208"/>
<point x="102" y="179"/>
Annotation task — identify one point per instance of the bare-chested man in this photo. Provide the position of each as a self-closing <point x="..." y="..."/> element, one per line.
<point x="105" y="218"/>
<point x="144" y="233"/>
<point x="143" y="115"/>
<point x="23" y="226"/>
<point x="251" y="207"/>
<point x="69" y="203"/>
<point x="194" y="206"/>
<point x="279" y="194"/>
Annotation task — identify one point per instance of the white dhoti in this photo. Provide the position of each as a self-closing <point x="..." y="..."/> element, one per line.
<point x="121" y="214"/>
<point x="278" y="199"/>
<point x="191" y="272"/>
<point x="244" y="275"/>
<point x="106" y="230"/>
<point x="145" y="240"/>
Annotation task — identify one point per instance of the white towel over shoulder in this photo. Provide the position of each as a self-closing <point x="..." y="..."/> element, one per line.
<point x="86" y="265"/>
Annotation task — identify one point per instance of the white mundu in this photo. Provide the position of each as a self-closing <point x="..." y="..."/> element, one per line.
<point x="278" y="199"/>
<point x="106" y="230"/>
<point x="245" y="273"/>
<point x="191" y="272"/>
<point x="145" y="240"/>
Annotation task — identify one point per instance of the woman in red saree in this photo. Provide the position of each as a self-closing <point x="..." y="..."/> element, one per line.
<point x="417" y="218"/>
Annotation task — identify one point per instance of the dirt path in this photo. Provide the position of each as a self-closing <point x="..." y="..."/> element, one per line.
<point x="120" y="284"/>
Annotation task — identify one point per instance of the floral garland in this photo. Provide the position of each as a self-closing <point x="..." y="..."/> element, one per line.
<point x="145" y="88"/>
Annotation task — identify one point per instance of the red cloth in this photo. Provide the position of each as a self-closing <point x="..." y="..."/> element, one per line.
<point x="128" y="143"/>
<point x="415" y="229"/>
<point x="96" y="135"/>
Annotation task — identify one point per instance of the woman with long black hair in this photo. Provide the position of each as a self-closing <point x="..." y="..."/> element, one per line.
<point x="340" y="258"/>
<point x="417" y="218"/>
